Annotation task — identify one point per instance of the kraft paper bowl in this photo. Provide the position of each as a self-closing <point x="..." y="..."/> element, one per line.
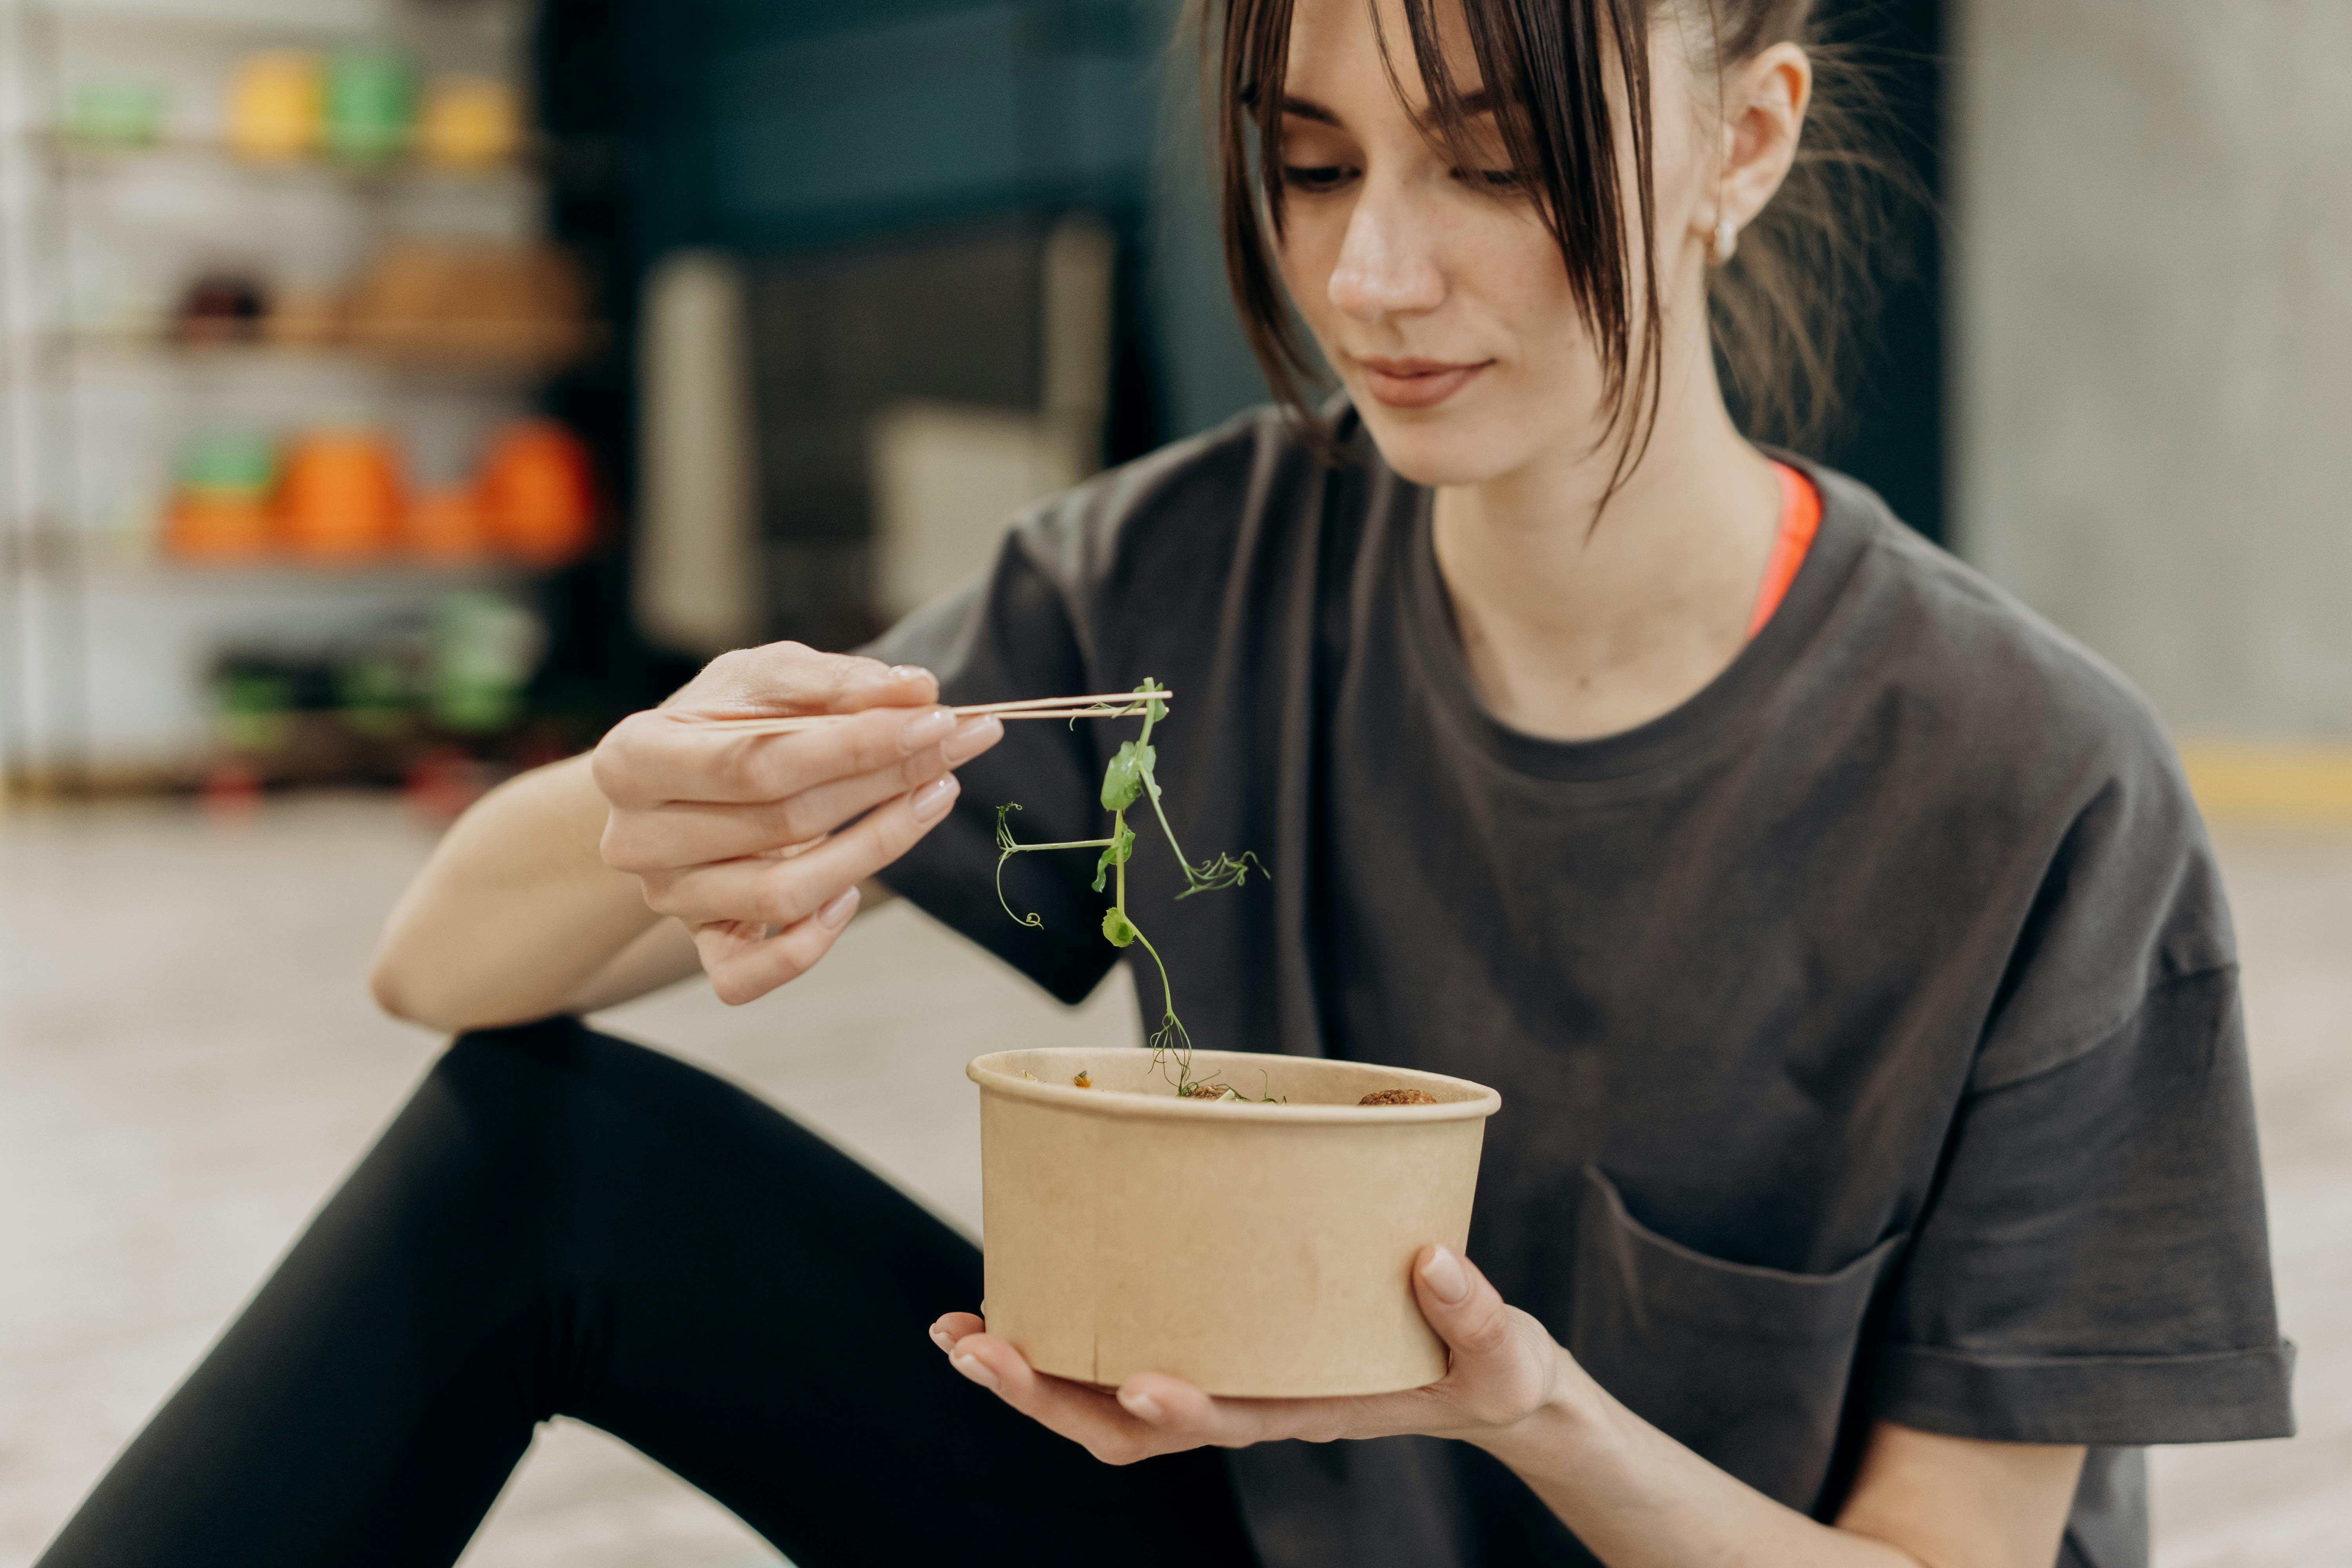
<point x="1252" y="1250"/>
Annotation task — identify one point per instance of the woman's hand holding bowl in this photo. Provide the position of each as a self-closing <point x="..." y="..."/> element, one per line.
<point x="1503" y="1368"/>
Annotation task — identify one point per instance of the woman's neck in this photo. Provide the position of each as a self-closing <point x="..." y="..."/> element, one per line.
<point x="1574" y="630"/>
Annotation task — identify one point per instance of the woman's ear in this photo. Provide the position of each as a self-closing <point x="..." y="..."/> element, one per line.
<point x="1764" y="101"/>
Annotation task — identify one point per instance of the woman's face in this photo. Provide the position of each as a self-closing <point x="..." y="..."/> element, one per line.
<point x="1435" y="291"/>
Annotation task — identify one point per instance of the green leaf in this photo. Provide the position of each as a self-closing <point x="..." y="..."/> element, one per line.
<point x="1144" y="764"/>
<point x="1123" y="780"/>
<point x="1116" y="855"/>
<point x="1117" y="929"/>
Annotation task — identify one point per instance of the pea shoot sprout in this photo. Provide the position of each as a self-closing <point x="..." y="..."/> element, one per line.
<point x="1126" y="780"/>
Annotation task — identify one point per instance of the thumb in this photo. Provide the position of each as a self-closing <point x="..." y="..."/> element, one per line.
<point x="1462" y="1305"/>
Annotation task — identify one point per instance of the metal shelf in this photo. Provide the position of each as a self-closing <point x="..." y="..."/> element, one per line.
<point x="296" y="572"/>
<point x="77" y="154"/>
<point x="94" y="557"/>
<point x="271" y="19"/>
<point x="488" y="367"/>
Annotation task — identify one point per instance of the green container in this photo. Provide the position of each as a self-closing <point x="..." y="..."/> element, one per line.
<point x="115" y="114"/>
<point x="372" y="691"/>
<point x="236" y="464"/>
<point x="253" y="712"/>
<point x="485" y="650"/>
<point x="370" y="105"/>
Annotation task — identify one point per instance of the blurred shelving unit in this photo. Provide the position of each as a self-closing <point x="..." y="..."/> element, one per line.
<point x="105" y="639"/>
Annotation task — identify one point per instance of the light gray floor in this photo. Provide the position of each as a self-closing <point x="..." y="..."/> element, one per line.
<point x="188" y="1062"/>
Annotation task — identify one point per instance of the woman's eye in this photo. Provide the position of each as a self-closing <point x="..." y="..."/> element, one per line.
<point x="1317" y="176"/>
<point x="1491" y="179"/>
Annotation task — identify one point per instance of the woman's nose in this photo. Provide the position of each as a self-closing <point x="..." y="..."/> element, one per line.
<point x="1388" y="262"/>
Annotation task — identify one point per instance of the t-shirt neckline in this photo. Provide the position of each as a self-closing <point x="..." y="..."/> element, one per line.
<point x="1722" y="707"/>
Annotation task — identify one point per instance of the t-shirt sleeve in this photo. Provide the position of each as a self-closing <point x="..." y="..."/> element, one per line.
<point x="2093" y="1265"/>
<point x="1012" y="635"/>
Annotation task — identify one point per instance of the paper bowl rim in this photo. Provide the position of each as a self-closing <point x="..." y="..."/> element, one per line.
<point x="993" y="1078"/>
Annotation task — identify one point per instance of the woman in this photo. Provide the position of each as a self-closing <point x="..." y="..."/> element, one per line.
<point x="1876" y="1168"/>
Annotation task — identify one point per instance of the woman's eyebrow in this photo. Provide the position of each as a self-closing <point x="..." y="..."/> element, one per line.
<point x="1482" y="101"/>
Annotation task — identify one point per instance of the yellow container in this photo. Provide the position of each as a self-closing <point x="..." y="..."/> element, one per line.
<point x="470" y="122"/>
<point x="275" y="103"/>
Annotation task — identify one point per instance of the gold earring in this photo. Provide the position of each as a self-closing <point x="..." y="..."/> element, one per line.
<point x="1727" y="241"/>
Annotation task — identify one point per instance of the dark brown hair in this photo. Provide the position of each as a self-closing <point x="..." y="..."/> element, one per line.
<point x="1782" y="310"/>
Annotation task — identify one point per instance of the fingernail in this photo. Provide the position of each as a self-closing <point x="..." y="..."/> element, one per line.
<point x="1447" y="1281"/>
<point x="927" y="729"/>
<point x="1142" y="1406"/>
<point x="910" y="672"/>
<point x="931" y="801"/>
<point x="969" y="1367"/>
<point x="836" y="911"/>
<point x="940" y="1338"/>
<point x="971" y="737"/>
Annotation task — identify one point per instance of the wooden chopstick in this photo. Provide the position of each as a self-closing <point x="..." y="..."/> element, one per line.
<point x="1029" y="708"/>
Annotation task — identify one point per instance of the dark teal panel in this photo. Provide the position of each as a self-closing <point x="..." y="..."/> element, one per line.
<point x="765" y="125"/>
<point x="995" y="96"/>
<point x="917" y="144"/>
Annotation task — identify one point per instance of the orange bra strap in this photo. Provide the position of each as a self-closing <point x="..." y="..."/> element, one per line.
<point x="1800" y="519"/>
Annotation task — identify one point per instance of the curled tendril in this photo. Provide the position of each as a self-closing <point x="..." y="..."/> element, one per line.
<point x="1224" y="872"/>
<point x="1006" y="849"/>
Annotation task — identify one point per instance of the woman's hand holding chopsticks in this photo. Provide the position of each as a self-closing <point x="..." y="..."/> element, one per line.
<point x="754" y="833"/>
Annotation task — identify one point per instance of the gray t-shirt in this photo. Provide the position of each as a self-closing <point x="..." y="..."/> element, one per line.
<point x="1867" y="1028"/>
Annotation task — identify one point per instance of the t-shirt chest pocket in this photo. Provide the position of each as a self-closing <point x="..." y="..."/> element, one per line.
<point x="1749" y="1367"/>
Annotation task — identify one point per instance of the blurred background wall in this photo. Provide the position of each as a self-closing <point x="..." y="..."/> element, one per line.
<point x="2153" y="342"/>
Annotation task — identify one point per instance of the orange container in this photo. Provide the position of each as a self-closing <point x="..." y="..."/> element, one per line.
<point x="219" y="528"/>
<point x="449" y="524"/>
<point x="341" y="498"/>
<point x="537" y="493"/>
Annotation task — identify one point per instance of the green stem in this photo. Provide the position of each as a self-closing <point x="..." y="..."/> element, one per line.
<point x="1153" y="796"/>
<point x="1182" y="1051"/>
<point x="1176" y="849"/>
<point x="1117" y="826"/>
<point x="1167" y="995"/>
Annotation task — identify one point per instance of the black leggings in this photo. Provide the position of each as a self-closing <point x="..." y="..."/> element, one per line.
<point x="559" y="1223"/>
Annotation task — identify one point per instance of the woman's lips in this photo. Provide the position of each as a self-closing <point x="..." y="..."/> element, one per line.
<point x="1417" y="383"/>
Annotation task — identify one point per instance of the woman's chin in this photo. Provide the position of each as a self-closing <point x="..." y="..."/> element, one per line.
<point x="1437" y="450"/>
